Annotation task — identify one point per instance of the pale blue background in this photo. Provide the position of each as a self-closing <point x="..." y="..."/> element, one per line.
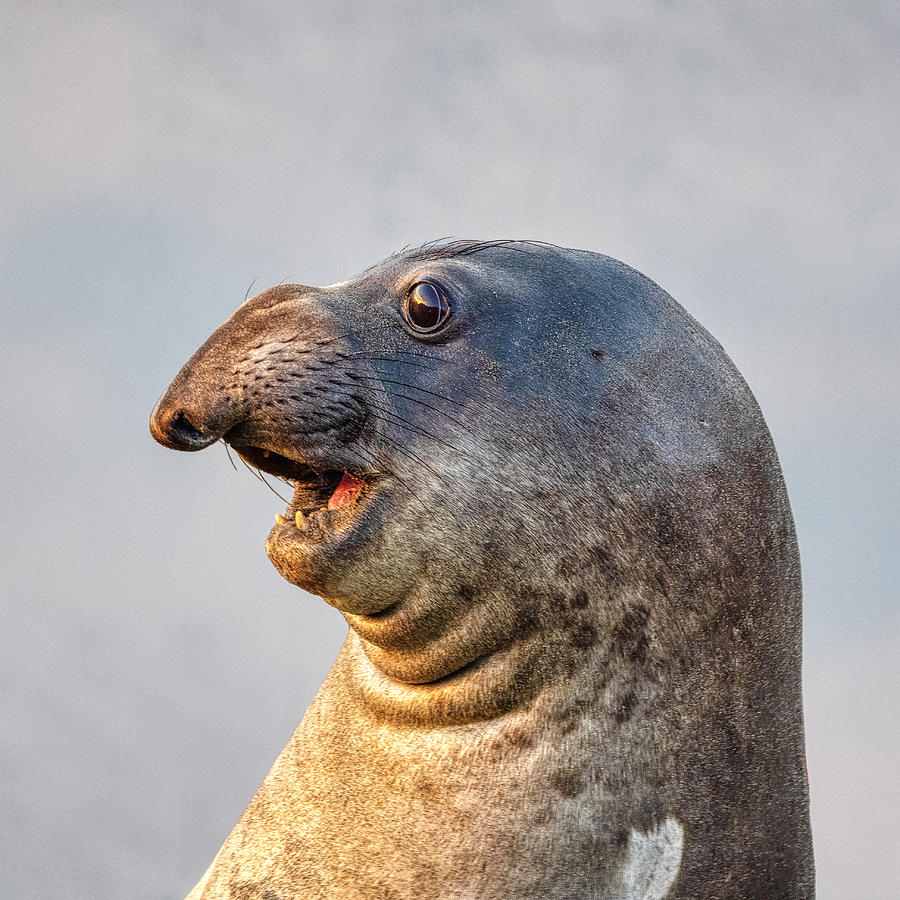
<point x="158" y="157"/>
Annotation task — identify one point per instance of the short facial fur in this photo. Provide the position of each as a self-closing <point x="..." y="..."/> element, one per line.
<point x="570" y="576"/>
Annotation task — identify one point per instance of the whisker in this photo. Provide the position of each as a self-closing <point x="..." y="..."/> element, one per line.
<point x="259" y="475"/>
<point x="269" y="486"/>
<point x="460" y="403"/>
<point x="399" y="362"/>
<point x="324" y="342"/>
<point x="410" y="426"/>
<point x="480" y="389"/>
<point x="401" y="448"/>
<point x="385" y="390"/>
<point x="393" y="474"/>
<point x="251" y="469"/>
<point x="407" y="452"/>
<point x="395" y="352"/>
<point x="344" y="400"/>
<point x="228" y="454"/>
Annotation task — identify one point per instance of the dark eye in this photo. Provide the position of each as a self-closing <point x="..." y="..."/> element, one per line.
<point x="426" y="308"/>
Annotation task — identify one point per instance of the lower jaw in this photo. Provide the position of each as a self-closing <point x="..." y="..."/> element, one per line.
<point x="329" y="546"/>
<point x="304" y="540"/>
<point x="344" y="509"/>
<point x="306" y="561"/>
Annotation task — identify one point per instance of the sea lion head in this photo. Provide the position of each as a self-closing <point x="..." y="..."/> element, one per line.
<point x="501" y="451"/>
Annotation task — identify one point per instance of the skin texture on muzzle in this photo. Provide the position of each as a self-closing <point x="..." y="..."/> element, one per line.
<point x="551" y="513"/>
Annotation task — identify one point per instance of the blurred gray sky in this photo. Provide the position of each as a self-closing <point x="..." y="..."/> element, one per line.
<point x="157" y="158"/>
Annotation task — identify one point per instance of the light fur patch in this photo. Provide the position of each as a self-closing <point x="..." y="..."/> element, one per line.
<point x="653" y="861"/>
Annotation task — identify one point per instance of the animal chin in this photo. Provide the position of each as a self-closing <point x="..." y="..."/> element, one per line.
<point x="324" y="498"/>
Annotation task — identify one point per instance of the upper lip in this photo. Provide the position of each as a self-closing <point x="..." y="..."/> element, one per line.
<point x="289" y="468"/>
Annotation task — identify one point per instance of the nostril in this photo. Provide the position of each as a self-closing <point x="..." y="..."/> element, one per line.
<point x="181" y="431"/>
<point x="175" y="430"/>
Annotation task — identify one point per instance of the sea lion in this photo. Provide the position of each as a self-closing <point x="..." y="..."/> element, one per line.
<point x="550" y="511"/>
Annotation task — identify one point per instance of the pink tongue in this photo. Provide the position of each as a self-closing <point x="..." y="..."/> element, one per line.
<point x="346" y="492"/>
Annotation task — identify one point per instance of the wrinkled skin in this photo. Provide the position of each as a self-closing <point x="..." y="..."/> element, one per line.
<point x="571" y="582"/>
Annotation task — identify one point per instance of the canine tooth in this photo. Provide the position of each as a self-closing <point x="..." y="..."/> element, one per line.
<point x="266" y="454"/>
<point x="280" y="519"/>
<point x="299" y="519"/>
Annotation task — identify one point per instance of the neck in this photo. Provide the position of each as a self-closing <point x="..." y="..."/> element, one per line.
<point x="485" y="688"/>
<point x="559" y="666"/>
<point x="430" y="661"/>
<point x="492" y="656"/>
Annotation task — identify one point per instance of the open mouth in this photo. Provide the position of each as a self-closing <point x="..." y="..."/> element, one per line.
<point x="324" y="498"/>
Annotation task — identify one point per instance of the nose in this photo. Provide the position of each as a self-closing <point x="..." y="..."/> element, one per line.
<point x="173" y="429"/>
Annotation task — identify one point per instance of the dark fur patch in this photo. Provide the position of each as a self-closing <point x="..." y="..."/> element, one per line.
<point x="625" y="708"/>
<point x="630" y="635"/>
<point x="584" y="636"/>
<point x="519" y="737"/>
<point x="567" y="782"/>
<point x="579" y="600"/>
<point x="529" y="613"/>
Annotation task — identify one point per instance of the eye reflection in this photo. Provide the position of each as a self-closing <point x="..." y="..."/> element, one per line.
<point x="426" y="307"/>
